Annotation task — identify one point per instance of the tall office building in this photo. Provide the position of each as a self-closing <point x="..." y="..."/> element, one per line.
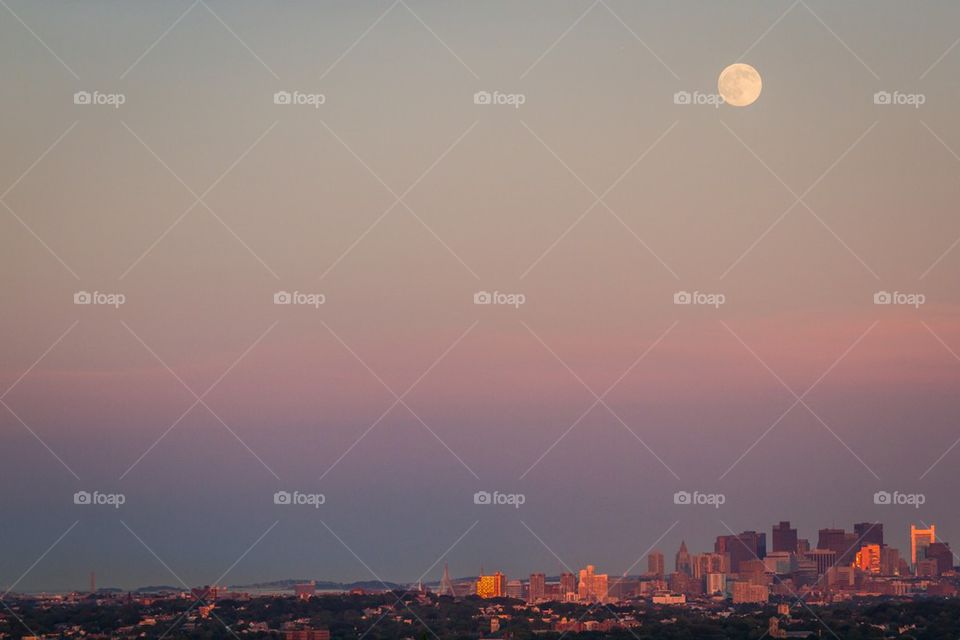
<point x="920" y="539"/>
<point x="568" y="586"/>
<point x="784" y="538"/>
<point x="748" y="545"/>
<point x="538" y="587"/>
<point x="869" y="532"/>
<point x="705" y="563"/>
<point x="825" y="559"/>
<point x="493" y="586"/>
<point x="655" y="563"/>
<point x="868" y="558"/>
<point x="889" y="561"/>
<point x="844" y="544"/>
<point x="593" y="587"/>
<point x="941" y="553"/>
<point x="683" y="560"/>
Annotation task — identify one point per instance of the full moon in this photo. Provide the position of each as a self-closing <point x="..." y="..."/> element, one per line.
<point x="740" y="85"/>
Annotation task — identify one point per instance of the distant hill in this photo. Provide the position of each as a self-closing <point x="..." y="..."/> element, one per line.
<point x="321" y="585"/>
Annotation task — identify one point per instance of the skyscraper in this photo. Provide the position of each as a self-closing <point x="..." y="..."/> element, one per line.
<point x="784" y="538"/>
<point x="655" y="563"/>
<point x="538" y="587"/>
<point x="869" y="532"/>
<point x="868" y="558"/>
<point x="593" y="586"/>
<point x="920" y="539"/>
<point x="683" y="560"/>
<point x="568" y="585"/>
<point x="748" y="545"/>
<point x="493" y="586"/>
<point x="941" y="553"/>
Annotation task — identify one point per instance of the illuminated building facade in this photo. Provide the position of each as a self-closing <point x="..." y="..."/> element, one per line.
<point x="920" y="539"/>
<point x="494" y="586"/>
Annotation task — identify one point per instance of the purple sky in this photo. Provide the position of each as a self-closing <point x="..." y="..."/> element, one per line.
<point x="398" y="199"/>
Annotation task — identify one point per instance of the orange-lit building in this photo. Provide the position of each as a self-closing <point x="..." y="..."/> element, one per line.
<point x="920" y="539"/>
<point x="868" y="558"/>
<point x="494" y="586"/>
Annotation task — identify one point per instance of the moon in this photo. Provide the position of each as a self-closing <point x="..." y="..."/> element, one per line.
<point x="739" y="84"/>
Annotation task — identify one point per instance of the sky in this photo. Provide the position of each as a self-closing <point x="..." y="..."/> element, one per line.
<point x="587" y="195"/>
